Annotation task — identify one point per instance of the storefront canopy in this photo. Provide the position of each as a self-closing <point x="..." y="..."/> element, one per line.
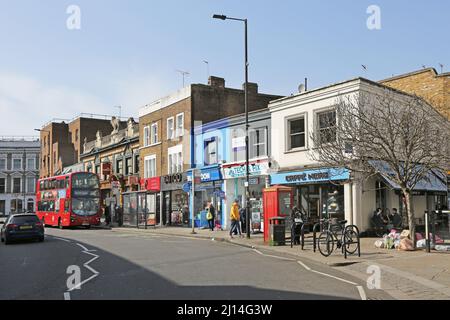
<point x="434" y="181"/>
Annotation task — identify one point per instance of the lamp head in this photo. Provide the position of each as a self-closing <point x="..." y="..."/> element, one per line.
<point x="219" y="16"/>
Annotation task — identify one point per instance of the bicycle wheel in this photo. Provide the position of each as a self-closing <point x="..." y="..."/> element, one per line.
<point x="326" y="243"/>
<point x="351" y="240"/>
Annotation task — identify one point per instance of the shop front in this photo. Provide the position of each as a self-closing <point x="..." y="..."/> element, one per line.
<point x="175" y="202"/>
<point x="209" y="188"/>
<point x="235" y="176"/>
<point x="318" y="193"/>
<point x="141" y="208"/>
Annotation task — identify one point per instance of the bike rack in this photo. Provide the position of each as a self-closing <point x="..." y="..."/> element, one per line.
<point x="358" y="242"/>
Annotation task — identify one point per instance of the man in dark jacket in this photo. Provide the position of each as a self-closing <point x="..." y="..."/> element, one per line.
<point x="243" y="218"/>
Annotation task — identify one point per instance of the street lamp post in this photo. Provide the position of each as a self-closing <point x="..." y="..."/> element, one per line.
<point x="247" y="170"/>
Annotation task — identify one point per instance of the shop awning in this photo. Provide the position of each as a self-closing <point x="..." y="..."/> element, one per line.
<point x="434" y="181"/>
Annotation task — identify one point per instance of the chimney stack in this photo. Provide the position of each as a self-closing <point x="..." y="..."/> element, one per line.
<point x="216" y="82"/>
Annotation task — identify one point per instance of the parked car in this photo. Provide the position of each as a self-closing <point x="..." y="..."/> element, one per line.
<point x="22" y="227"/>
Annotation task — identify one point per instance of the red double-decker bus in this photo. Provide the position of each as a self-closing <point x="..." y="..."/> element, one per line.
<point x="69" y="200"/>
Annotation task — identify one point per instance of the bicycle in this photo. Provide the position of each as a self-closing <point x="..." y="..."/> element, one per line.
<point x="343" y="237"/>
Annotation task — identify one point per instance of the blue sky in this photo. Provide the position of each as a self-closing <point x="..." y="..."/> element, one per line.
<point x="127" y="52"/>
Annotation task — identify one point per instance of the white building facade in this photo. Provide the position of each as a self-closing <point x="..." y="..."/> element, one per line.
<point x="19" y="172"/>
<point x="324" y="192"/>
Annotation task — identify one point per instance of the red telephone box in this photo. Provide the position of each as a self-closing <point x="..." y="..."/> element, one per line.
<point x="277" y="202"/>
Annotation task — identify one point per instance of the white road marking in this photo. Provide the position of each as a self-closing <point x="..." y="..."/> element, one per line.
<point x="362" y="293"/>
<point x="58" y="238"/>
<point x="304" y="265"/>
<point x="272" y="256"/>
<point x="66" y="295"/>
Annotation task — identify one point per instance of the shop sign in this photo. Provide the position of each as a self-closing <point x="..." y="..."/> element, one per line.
<point x="206" y="175"/>
<point x="151" y="184"/>
<point x="106" y="169"/>
<point x="133" y="180"/>
<point x="239" y="171"/>
<point x="310" y="176"/>
<point x="174" y="178"/>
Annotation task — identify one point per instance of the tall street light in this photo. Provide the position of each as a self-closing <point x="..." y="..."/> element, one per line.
<point x="247" y="170"/>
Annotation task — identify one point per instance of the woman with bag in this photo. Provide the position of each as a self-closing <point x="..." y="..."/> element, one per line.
<point x="210" y="215"/>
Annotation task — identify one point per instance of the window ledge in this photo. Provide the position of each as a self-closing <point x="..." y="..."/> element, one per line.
<point x="150" y="145"/>
<point x="296" y="150"/>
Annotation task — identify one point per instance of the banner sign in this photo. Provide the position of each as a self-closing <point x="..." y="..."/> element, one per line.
<point x="239" y="171"/>
<point x="310" y="176"/>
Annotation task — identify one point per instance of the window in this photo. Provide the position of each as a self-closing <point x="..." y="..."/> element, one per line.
<point x="136" y="164"/>
<point x="146" y="136"/>
<point x="30" y="205"/>
<point x="175" y="159"/>
<point x="31" y="164"/>
<point x="326" y="122"/>
<point x="258" y="143"/>
<point x="2" y="163"/>
<point x="180" y="125"/>
<point x="210" y="151"/>
<point x="31" y="182"/>
<point x="297" y="134"/>
<point x="17" y="164"/>
<point x="2" y="185"/>
<point x="2" y="207"/>
<point x="119" y="166"/>
<point x="128" y="166"/>
<point x="154" y="136"/>
<point x="17" y="188"/>
<point x="170" y="128"/>
<point x="150" y="166"/>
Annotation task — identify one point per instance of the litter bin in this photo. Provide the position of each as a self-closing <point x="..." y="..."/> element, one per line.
<point x="277" y="231"/>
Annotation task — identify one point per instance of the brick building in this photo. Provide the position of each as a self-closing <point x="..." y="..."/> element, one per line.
<point x="428" y="84"/>
<point x="166" y="138"/>
<point x="114" y="157"/>
<point x="62" y="141"/>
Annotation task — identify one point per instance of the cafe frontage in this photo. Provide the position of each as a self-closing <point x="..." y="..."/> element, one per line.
<point x="318" y="193"/>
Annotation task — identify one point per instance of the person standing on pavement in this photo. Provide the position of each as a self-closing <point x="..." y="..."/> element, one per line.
<point x="234" y="217"/>
<point x="243" y="217"/>
<point x="210" y="215"/>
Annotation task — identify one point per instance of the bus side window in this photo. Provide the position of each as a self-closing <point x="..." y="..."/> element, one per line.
<point x="67" y="205"/>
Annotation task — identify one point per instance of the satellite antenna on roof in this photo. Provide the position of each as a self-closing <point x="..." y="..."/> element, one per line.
<point x="301" y="88"/>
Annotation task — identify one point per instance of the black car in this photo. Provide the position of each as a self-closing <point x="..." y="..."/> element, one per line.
<point x="22" y="227"/>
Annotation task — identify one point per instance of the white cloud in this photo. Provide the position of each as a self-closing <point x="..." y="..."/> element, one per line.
<point x="27" y="103"/>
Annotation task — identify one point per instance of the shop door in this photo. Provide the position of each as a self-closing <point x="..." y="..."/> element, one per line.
<point x="309" y="202"/>
<point x="166" y="209"/>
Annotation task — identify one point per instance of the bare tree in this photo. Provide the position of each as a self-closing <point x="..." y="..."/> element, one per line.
<point x="391" y="134"/>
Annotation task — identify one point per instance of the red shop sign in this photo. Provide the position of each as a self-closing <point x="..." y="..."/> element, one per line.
<point x="151" y="184"/>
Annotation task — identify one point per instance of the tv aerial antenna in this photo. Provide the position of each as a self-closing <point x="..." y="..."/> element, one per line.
<point x="184" y="74"/>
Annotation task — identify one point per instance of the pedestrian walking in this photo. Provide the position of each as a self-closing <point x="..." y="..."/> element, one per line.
<point x="234" y="217"/>
<point x="243" y="219"/>
<point x="107" y="215"/>
<point x="210" y="215"/>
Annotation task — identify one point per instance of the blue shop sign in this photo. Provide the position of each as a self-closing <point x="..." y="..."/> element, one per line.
<point x="207" y="175"/>
<point x="310" y="176"/>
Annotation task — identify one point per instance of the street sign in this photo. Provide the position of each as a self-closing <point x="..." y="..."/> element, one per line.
<point x="187" y="187"/>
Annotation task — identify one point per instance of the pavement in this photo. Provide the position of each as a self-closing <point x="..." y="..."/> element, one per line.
<point x="137" y="264"/>
<point x="404" y="274"/>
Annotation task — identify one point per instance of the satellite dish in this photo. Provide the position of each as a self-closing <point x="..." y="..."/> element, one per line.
<point x="301" y="88"/>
